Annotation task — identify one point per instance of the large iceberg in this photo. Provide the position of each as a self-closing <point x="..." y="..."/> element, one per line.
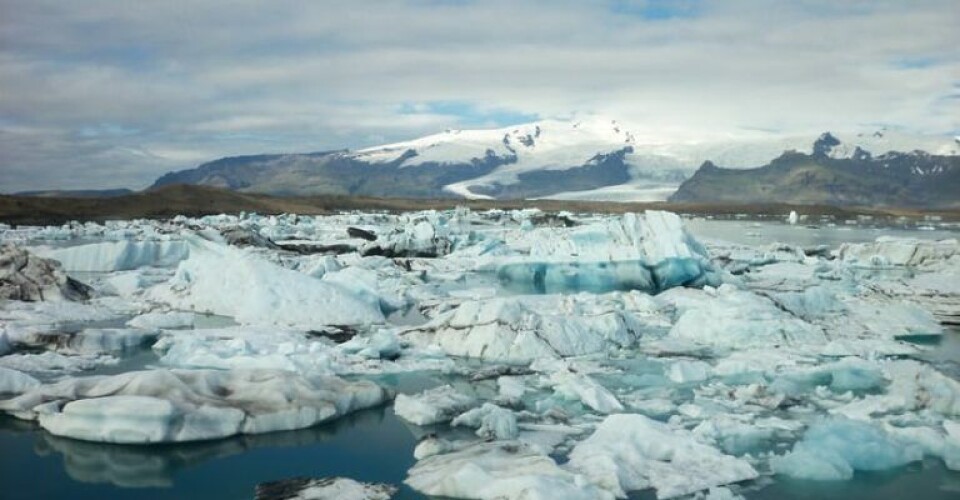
<point x="231" y="282"/>
<point x="158" y="406"/>
<point x="524" y="328"/>
<point x="122" y="255"/>
<point x="650" y="252"/>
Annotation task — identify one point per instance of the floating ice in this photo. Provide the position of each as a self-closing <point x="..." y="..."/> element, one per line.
<point x="736" y="318"/>
<point x="490" y="421"/>
<point x="529" y="327"/>
<point x="501" y="469"/>
<point x="229" y="282"/>
<point x="163" y="320"/>
<point x="632" y="452"/>
<point x="601" y="277"/>
<point x="24" y="276"/>
<point x="331" y="488"/>
<point x="187" y="405"/>
<point x="587" y="390"/>
<point x="15" y="382"/>
<point x="833" y="449"/>
<point x="440" y="404"/>
<point x="887" y="251"/>
<point x="123" y="255"/>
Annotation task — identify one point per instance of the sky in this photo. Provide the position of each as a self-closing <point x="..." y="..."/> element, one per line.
<point x="104" y="94"/>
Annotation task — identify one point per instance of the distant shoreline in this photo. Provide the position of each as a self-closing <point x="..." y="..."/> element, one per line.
<point x="189" y="200"/>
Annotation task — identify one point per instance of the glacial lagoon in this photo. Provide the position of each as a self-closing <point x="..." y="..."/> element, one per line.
<point x="375" y="445"/>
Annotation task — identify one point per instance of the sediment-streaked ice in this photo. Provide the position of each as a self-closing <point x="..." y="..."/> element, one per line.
<point x="158" y="406"/>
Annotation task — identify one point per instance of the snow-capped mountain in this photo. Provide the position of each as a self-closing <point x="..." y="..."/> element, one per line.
<point x="593" y="158"/>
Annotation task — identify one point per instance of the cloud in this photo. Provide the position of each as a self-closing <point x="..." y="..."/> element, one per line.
<point x="103" y="93"/>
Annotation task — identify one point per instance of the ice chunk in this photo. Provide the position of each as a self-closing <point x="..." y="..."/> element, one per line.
<point x="651" y="237"/>
<point x="736" y="318"/>
<point x="24" y="276"/>
<point x="187" y="405"/>
<point x="227" y="281"/>
<point x="109" y="340"/>
<point x="632" y="452"/>
<point x="887" y="251"/>
<point x="162" y="320"/>
<point x="683" y="372"/>
<point x="331" y="488"/>
<point x="572" y="277"/>
<point x="833" y="449"/>
<point x="587" y="390"/>
<point x="852" y="374"/>
<point x="126" y="255"/>
<point x="491" y="422"/>
<point x="523" y="328"/>
<point x="601" y="277"/>
<point x="15" y="382"/>
<point x="433" y="406"/>
<point x="502" y="469"/>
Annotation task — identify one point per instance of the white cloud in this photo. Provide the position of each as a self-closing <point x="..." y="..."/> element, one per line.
<point x="200" y="79"/>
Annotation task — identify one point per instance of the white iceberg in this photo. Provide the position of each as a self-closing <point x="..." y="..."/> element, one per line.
<point x="631" y="452"/>
<point x="126" y="255"/>
<point x="437" y="405"/>
<point x="231" y="282"/>
<point x="502" y="469"/>
<point x="523" y="328"/>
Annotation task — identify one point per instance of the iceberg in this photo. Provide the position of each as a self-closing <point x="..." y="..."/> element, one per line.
<point x="736" y="318"/>
<point x="15" y="382"/>
<point x="331" y="488"/>
<point x="887" y="251"/>
<point x="159" y="406"/>
<point x="631" y="452"/>
<point x="650" y="253"/>
<point x="126" y="255"/>
<point x="433" y="406"/>
<point x="490" y="421"/>
<point x="27" y="277"/>
<point x="501" y="469"/>
<point x="601" y="277"/>
<point x="522" y="328"/>
<point x="834" y="449"/>
<point x="231" y="282"/>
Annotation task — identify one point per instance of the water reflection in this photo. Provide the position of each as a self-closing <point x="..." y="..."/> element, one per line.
<point x="155" y="466"/>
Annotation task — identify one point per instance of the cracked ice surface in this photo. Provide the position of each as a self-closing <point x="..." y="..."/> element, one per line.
<point x="588" y="359"/>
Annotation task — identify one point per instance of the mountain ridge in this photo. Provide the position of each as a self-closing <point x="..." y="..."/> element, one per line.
<point x="590" y="159"/>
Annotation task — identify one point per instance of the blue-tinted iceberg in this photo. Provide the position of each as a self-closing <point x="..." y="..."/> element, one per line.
<point x="602" y="277"/>
<point x="834" y="449"/>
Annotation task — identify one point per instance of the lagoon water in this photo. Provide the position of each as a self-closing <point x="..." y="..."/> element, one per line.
<point x="374" y="445"/>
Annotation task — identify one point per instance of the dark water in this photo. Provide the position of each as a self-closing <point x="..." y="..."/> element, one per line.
<point x="372" y="445"/>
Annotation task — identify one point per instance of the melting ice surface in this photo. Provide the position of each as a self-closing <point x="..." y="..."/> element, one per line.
<point x="622" y="356"/>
